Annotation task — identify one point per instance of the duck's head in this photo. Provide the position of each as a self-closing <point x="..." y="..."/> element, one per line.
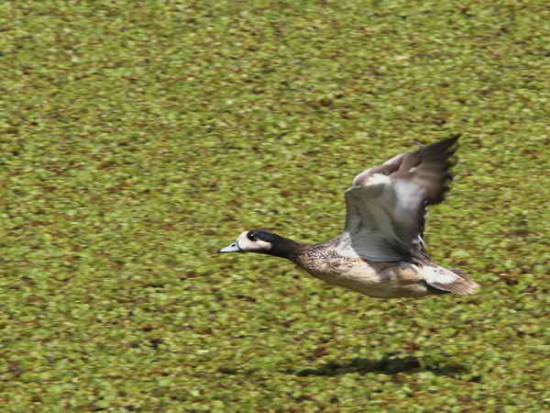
<point x="263" y="242"/>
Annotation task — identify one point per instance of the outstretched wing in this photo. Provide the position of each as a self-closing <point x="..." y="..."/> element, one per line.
<point x="386" y="205"/>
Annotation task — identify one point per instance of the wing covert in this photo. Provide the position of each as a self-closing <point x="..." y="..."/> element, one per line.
<point x="386" y="205"/>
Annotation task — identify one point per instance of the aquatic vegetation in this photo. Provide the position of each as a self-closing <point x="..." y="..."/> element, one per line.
<point x="137" y="138"/>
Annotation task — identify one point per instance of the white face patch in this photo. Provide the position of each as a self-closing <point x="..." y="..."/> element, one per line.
<point x="247" y="244"/>
<point x="438" y="275"/>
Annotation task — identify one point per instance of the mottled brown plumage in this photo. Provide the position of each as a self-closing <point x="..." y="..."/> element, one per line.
<point x="381" y="252"/>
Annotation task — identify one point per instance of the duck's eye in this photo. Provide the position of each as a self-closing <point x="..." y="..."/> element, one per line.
<point x="251" y="237"/>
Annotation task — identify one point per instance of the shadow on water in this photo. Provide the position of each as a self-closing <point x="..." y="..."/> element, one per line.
<point x="389" y="364"/>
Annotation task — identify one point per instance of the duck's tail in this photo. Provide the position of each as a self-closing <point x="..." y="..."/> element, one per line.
<point x="445" y="280"/>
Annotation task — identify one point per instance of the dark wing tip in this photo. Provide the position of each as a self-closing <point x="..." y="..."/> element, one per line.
<point x="450" y="141"/>
<point x="454" y="138"/>
<point x="438" y="160"/>
<point x="444" y="148"/>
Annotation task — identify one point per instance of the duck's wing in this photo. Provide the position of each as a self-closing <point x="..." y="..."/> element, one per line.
<point x="386" y="205"/>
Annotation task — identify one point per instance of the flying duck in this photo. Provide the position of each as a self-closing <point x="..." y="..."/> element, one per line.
<point x="381" y="252"/>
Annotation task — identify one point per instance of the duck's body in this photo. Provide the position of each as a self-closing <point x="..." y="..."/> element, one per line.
<point x="381" y="252"/>
<point x="375" y="279"/>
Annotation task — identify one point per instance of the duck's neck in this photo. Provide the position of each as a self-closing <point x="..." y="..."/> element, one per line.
<point x="284" y="248"/>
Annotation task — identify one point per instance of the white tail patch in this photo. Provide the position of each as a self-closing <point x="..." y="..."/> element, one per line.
<point x="447" y="280"/>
